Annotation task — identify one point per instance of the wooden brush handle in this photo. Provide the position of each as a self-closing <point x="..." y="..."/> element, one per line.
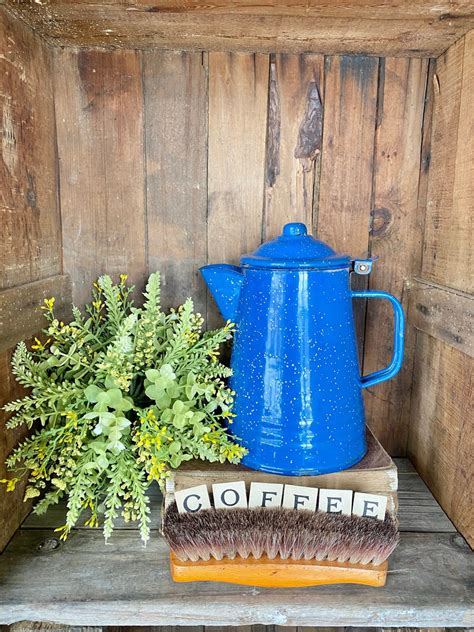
<point x="277" y="573"/>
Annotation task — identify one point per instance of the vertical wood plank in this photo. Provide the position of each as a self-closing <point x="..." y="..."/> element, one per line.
<point x="175" y="88"/>
<point x="350" y="97"/>
<point x="99" y="113"/>
<point x="345" y="196"/>
<point x="238" y="91"/>
<point x="441" y="440"/>
<point x="29" y="213"/>
<point x="294" y="137"/>
<point x="448" y="253"/>
<point x="396" y="239"/>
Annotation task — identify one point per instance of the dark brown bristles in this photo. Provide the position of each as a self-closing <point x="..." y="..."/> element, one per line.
<point x="279" y="532"/>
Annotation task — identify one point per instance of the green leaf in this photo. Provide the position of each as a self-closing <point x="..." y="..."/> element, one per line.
<point x="103" y="461"/>
<point x="154" y="392"/>
<point x="197" y="417"/>
<point x="179" y="421"/>
<point x="174" y="447"/>
<point x="114" y="397"/>
<point x="92" y="392"/>
<point x="163" y="401"/>
<point x="167" y="415"/>
<point x="152" y="374"/>
<point x="167" y="371"/>
<point x="175" y="461"/>
<point x="110" y="382"/>
<point x="179" y="407"/>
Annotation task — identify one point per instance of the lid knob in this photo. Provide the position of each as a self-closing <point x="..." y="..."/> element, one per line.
<point x="294" y="229"/>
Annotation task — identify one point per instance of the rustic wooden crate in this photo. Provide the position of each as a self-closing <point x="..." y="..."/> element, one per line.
<point x="156" y="134"/>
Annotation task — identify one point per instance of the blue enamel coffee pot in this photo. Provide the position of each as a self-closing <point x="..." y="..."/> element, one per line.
<point x="298" y="404"/>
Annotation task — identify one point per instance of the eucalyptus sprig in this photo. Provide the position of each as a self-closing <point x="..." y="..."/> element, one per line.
<point x="118" y="397"/>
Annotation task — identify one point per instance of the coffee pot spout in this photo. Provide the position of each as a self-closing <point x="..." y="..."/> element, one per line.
<point x="225" y="283"/>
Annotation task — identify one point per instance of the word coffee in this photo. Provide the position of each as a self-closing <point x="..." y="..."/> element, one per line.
<point x="230" y="495"/>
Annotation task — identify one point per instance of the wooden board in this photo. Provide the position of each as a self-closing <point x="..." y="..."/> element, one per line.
<point x="29" y="214"/>
<point x="99" y="114"/>
<point x="376" y="472"/>
<point x="345" y="194"/>
<point x="443" y="313"/>
<point x="20" y="308"/>
<point x="175" y="90"/>
<point x="238" y="93"/>
<point x="441" y="427"/>
<point x="294" y="140"/>
<point x="448" y="253"/>
<point x="83" y="582"/>
<point x="396" y="28"/>
<point x="395" y="238"/>
<point x="441" y="435"/>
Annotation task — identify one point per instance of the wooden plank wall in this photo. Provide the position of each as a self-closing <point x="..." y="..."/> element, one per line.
<point x="169" y="160"/>
<point x="441" y="438"/>
<point x="30" y="227"/>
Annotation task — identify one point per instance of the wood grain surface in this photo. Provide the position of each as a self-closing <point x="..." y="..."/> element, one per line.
<point x="20" y="308"/>
<point x="175" y="90"/>
<point x="441" y="440"/>
<point x="140" y="580"/>
<point x="448" y="253"/>
<point x="99" y="116"/>
<point x="238" y="94"/>
<point x="29" y="213"/>
<point x="395" y="238"/>
<point x="396" y="27"/>
<point x="443" y="313"/>
<point x="441" y="425"/>
<point x="139" y="588"/>
<point x="345" y="190"/>
<point x="294" y="140"/>
<point x="30" y="226"/>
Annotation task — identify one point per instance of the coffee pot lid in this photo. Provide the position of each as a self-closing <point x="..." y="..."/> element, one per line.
<point x="295" y="249"/>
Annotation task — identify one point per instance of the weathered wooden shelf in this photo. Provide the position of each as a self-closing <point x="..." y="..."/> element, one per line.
<point x="83" y="582"/>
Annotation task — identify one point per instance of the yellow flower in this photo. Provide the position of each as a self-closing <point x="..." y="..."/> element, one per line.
<point x="123" y="278"/>
<point x="10" y="483"/>
<point x="38" y="345"/>
<point x="64" y="532"/>
<point x="49" y="304"/>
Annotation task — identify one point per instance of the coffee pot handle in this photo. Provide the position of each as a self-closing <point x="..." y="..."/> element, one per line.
<point x="398" y="339"/>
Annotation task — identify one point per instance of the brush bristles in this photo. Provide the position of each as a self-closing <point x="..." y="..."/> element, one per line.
<point x="279" y="532"/>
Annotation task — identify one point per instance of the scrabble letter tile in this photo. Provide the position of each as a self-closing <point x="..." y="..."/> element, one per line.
<point x="369" y="505"/>
<point x="265" y="494"/>
<point x="335" y="501"/>
<point x="298" y="497"/>
<point x="193" y="499"/>
<point x="227" y="495"/>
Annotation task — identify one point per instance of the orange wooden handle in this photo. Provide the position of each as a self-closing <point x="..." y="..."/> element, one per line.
<point x="277" y="573"/>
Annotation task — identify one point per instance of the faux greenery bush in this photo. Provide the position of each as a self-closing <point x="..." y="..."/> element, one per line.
<point x="119" y="397"/>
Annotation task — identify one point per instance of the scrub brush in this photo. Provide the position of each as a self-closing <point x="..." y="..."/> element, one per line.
<point x="278" y="547"/>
